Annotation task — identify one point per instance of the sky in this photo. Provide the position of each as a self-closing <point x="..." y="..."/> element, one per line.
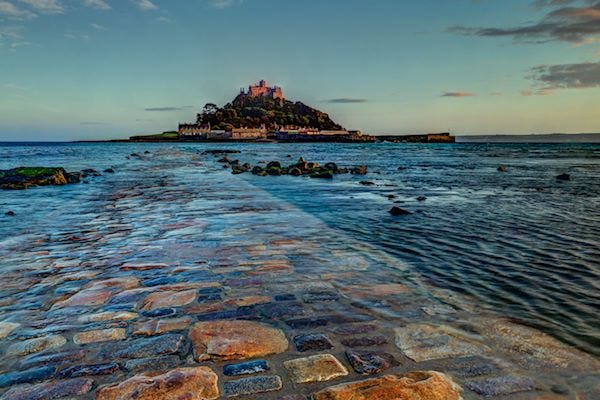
<point x="102" y="69"/>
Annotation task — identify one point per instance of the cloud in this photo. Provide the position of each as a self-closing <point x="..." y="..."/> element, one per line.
<point x="457" y="94"/>
<point x="145" y="5"/>
<point x="97" y="4"/>
<point x="345" y="100"/>
<point x="12" y="11"/>
<point x="224" y="3"/>
<point x="162" y="18"/>
<point x="45" y="6"/>
<point x="574" y="24"/>
<point x="566" y="76"/>
<point x="98" y="27"/>
<point x="163" y="109"/>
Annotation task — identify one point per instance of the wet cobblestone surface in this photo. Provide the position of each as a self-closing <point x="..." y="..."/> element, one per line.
<point x="188" y="278"/>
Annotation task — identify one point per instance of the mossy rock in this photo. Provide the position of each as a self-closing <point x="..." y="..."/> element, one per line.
<point x="24" y="177"/>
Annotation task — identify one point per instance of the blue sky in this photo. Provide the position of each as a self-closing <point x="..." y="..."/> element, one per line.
<point x="83" y="69"/>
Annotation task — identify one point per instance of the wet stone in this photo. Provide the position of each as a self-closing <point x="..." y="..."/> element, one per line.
<point x="469" y="367"/>
<point x="36" y="345"/>
<point x="198" y="383"/>
<point x="88" y="370"/>
<point x="163" y="280"/>
<point x="284" y="297"/>
<point x="347" y="330"/>
<point x="312" y="341"/>
<point x="253" y="385"/>
<point x="157" y="327"/>
<point x="52" y="358"/>
<point x="7" y="327"/>
<point x="49" y="390"/>
<point x="325" y="295"/>
<point x="107" y="316"/>
<point x="302" y="323"/>
<point x="169" y="299"/>
<point x="163" y="363"/>
<point x="367" y="341"/>
<point x="318" y="368"/>
<point x="160" y="312"/>
<point x="102" y="335"/>
<point x="278" y="310"/>
<point x="32" y="375"/>
<point x="229" y="340"/>
<point x="246" y="368"/>
<point x="369" y="363"/>
<point x="229" y="314"/>
<point x="143" y="348"/>
<point x="413" y="385"/>
<point x="501" y="385"/>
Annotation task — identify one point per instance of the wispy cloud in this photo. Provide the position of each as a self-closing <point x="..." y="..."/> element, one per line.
<point x="97" y="4"/>
<point x="566" y="76"/>
<point x="457" y="94"/>
<point x="162" y="18"/>
<point x="224" y="3"/>
<point x="579" y="24"/>
<point x="163" y="109"/>
<point x="98" y="27"/>
<point x="45" y="6"/>
<point x="11" y="11"/>
<point x="346" y="100"/>
<point x="145" y="5"/>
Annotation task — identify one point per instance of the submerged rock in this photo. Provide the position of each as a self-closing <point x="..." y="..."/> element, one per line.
<point x="396" y="211"/>
<point x="318" y="368"/>
<point x="563" y="177"/>
<point x="50" y="390"/>
<point x="502" y="168"/>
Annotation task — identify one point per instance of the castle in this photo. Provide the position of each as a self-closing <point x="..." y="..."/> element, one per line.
<point x="262" y="90"/>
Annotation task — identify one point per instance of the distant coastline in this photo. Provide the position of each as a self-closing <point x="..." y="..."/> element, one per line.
<point x="532" y="138"/>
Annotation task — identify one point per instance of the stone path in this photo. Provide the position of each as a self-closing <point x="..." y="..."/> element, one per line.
<point x="186" y="282"/>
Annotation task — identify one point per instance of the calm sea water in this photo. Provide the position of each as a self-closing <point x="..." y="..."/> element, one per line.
<point x="521" y="243"/>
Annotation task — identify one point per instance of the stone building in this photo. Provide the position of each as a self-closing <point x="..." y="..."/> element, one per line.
<point x="262" y="90"/>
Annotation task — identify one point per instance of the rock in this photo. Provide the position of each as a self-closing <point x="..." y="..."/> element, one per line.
<point x="157" y="327"/>
<point x="367" y="341"/>
<point x="29" y="376"/>
<point x="73" y="177"/>
<point x="369" y="363"/>
<point x="88" y="370"/>
<point x="36" y="345"/>
<point x="221" y="151"/>
<point x="246" y="368"/>
<point x="164" y="363"/>
<point x="421" y="198"/>
<point x="101" y="335"/>
<point x="274" y="164"/>
<point x="502" y="168"/>
<point x="198" y="383"/>
<point x="10" y="213"/>
<point x="312" y="341"/>
<point x="331" y="166"/>
<point x="146" y="152"/>
<point x="52" y="358"/>
<point x="169" y="299"/>
<point x="109" y="171"/>
<point x="413" y="385"/>
<point x="50" y="390"/>
<point x="274" y="171"/>
<point x="469" y="367"/>
<point x="303" y="323"/>
<point x="366" y="183"/>
<point x="224" y="160"/>
<point x="318" y="368"/>
<point x="322" y="295"/>
<point x="89" y="172"/>
<point x="295" y="171"/>
<point x="229" y="340"/>
<point x="86" y="297"/>
<point x="7" y="327"/>
<point x="143" y="348"/>
<point x="421" y="342"/>
<point x="359" y="170"/>
<point x="501" y="385"/>
<point x="24" y="177"/>
<point x="108" y="316"/>
<point x="397" y="211"/>
<point x="563" y="177"/>
<point x="257" y="170"/>
<point x="322" y="174"/>
<point x="253" y="385"/>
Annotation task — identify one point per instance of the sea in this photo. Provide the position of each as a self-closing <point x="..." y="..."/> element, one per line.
<point x="520" y="243"/>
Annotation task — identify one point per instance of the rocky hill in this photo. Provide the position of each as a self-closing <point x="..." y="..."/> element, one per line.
<point x="252" y="112"/>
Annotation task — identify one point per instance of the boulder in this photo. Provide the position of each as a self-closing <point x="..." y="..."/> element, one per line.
<point x="322" y="174"/>
<point x="331" y="166"/>
<point x="367" y="183"/>
<point x="274" y="164"/>
<point x="24" y="177"/>
<point x="360" y="170"/>
<point x="502" y="168"/>
<point x="563" y="177"/>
